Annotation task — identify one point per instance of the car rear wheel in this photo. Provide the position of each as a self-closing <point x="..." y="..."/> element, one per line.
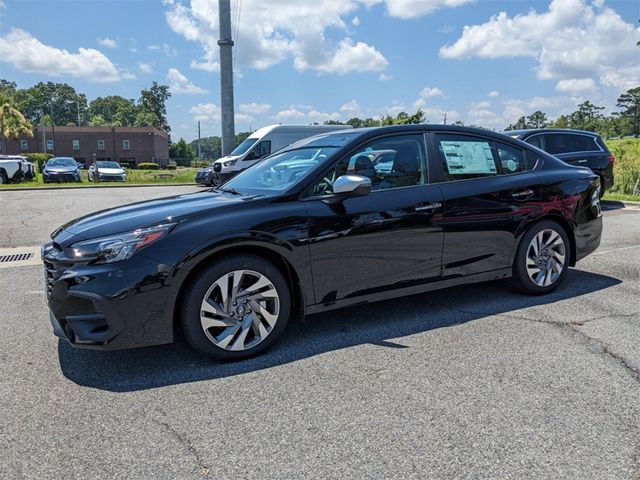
<point x="236" y="308"/>
<point x="3" y="177"/>
<point x="542" y="259"/>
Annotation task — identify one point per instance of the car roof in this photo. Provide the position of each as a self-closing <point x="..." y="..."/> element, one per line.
<point x="529" y="131"/>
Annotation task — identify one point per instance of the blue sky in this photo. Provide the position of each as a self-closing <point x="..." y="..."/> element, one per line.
<point x="482" y="62"/>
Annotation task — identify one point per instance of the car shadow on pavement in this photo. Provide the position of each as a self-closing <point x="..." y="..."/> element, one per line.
<point x="611" y="205"/>
<point x="376" y="323"/>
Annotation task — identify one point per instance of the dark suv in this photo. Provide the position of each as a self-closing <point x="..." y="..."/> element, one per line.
<point x="575" y="147"/>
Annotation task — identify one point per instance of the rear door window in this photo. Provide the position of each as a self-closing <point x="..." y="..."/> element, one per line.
<point x="555" y="143"/>
<point x="536" y="141"/>
<point x="586" y="143"/>
<point x="466" y="157"/>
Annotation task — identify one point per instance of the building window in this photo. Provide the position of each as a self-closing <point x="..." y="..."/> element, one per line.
<point x="75" y="144"/>
<point x="125" y="144"/>
<point x="49" y="144"/>
<point x="100" y="144"/>
<point x="24" y="145"/>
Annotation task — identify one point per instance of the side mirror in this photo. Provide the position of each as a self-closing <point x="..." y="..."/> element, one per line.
<point x="352" y="186"/>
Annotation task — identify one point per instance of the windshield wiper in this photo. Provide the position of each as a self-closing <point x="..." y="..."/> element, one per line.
<point x="232" y="191"/>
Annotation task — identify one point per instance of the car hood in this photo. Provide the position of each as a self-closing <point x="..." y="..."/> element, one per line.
<point x="145" y="214"/>
<point x="227" y="158"/>
<point x="111" y="171"/>
<point x="61" y="169"/>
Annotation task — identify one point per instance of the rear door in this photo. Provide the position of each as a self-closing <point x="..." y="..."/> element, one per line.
<point x="577" y="149"/>
<point x="488" y="192"/>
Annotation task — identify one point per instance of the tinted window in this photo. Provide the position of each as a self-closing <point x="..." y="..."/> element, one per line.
<point x="511" y="159"/>
<point x="559" y="143"/>
<point x="466" y="157"/>
<point x="536" y="141"/>
<point x="390" y="162"/>
<point x="585" y="143"/>
<point x="244" y="146"/>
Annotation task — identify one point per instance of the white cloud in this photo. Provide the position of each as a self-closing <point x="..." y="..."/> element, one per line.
<point x="573" y="39"/>
<point x="493" y="94"/>
<point x="416" y="8"/>
<point x="178" y="83"/>
<point x="356" y="21"/>
<point x="205" y="111"/>
<point x="351" y="109"/>
<point x="168" y="50"/>
<point x="289" y="115"/>
<point x="243" y="118"/>
<point x="428" y="92"/>
<point x="318" y="117"/>
<point x="385" y="77"/>
<point x="28" y="54"/>
<point x="108" y="42"/>
<point x="254" y="108"/>
<point x="575" y="86"/>
<point x="145" y="67"/>
<point x="425" y="93"/>
<point x="270" y="34"/>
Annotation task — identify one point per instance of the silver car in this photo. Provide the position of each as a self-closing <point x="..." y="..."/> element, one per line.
<point x="107" y="172"/>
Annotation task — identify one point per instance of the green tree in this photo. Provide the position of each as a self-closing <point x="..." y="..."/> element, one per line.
<point x="13" y="123"/>
<point x="59" y="100"/>
<point x="587" y="117"/>
<point x="629" y="102"/>
<point x="98" y="121"/>
<point x="116" y="110"/>
<point x="152" y="101"/>
<point x="181" y="149"/>
<point x="538" y="119"/>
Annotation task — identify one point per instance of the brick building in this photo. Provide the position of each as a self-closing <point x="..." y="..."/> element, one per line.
<point x="127" y="145"/>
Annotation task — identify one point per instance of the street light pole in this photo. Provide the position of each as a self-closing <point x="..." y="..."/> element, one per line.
<point x="226" y="77"/>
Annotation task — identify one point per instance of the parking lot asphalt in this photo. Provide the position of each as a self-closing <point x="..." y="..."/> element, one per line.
<point x="473" y="382"/>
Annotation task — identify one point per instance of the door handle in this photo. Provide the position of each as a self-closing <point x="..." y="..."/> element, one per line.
<point x="428" y="206"/>
<point x="582" y="160"/>
<point x="522" y="193"/>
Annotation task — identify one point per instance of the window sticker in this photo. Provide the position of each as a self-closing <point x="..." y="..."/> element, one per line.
<point x="468" y="158"/>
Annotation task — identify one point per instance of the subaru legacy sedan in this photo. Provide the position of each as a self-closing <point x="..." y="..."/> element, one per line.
<point x="321" y="225"/>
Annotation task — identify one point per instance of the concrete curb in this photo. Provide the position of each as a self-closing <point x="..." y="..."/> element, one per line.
<point x="133" y="185"/>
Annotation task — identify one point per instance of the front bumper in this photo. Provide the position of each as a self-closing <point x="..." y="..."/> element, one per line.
<point x="122" y="305"/>
<point x="61" y="177"/>
<point x="112" y="178"/>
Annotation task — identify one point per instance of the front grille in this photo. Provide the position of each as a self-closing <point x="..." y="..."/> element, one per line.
<point x="52" y="272"/>
<point x="110" y="177"/>
<point x="217" y="167"/>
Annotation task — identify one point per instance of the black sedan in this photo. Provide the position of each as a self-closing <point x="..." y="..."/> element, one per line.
<point x="319" y="226"/>
<point x="61" y="169"/>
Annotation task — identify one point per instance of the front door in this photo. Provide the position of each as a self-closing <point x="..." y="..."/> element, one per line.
<point x="389" y="239"/>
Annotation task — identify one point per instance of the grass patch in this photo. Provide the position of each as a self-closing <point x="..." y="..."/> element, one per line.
<point x="134" y="177"/>
<point x="621" y="197"/>
<point x="626" y="168"/>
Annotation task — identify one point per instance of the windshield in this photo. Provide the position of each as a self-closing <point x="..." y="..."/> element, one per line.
<point x="108" y="165"/>
<point x="244" y="146"/>
<point x="280" y="171"/>
<point x="61" y="162"/>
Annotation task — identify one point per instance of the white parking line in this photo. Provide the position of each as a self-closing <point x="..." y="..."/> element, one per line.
<point x="616" y="249"/>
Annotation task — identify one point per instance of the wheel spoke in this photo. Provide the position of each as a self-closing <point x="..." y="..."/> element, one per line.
<point x="237" y="280"/>
<point x="268" y="316"/>
<point x="208" y="322"/>
<point x="258" y="328"/>
<point x="213" y="308"/>
<point x="239" y="343"/>
<point x="225" y="338"/>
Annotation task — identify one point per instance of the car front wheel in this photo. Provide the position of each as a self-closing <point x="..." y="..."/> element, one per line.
<point x="236" y="308"/>
<point x="542" y="259"/>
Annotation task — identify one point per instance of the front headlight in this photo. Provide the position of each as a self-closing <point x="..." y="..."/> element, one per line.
<point x="230" y="162"/>
<point x="116" y="248"/>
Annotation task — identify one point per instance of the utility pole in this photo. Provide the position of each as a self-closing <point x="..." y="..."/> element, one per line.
<point x="226" y="77"/>
<point x="445" y="119"/>
<point x="53" y="130"/>
<point x="199" y="155"/>
<point x="44" y="132"/>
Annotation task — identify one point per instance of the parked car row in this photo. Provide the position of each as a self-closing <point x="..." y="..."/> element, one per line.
<point x="14" y="168"/>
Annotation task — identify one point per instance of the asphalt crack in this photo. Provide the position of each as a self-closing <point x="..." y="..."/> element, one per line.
<point x="186" y="443"/>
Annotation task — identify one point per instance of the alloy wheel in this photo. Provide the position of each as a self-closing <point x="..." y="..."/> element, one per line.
<point x="239" y="310"/>
<point x="546" y="256"/>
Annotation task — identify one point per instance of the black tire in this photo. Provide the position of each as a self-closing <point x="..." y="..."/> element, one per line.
<point x="194" y="293"/>
<point x="521" y="279"/>
<point x="3" y="177"/>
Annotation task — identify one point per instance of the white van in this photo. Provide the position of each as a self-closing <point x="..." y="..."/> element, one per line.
<point x="258" y="145"/>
